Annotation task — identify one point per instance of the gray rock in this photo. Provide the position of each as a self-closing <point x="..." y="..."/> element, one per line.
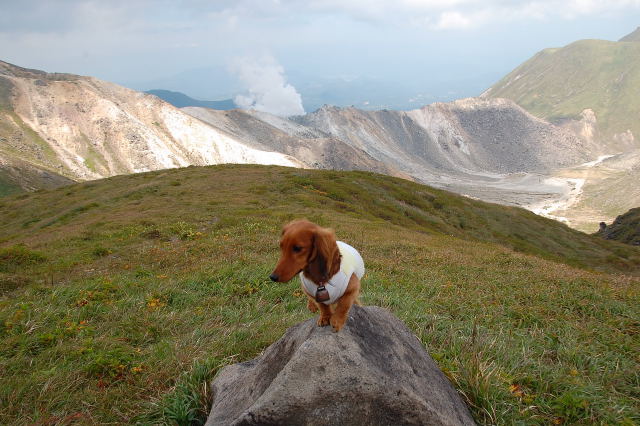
<point x="373" y="372"/>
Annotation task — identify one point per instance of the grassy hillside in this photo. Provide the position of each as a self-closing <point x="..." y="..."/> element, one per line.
<point x="122" y="297"/>
<point x="560" y="83"/>
<point x="626" y="228"/>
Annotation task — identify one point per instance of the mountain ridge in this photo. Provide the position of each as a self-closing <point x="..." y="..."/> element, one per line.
<point x="180" y="100"/>
<point x="559" y="84"/>
<point x="492" y="149"/>
<point x="632" y="36"/>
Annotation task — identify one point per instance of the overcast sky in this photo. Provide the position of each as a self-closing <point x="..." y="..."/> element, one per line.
<point x="447" y="46"/>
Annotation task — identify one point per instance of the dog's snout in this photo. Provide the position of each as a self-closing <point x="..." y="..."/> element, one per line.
<point x="274" y="277"/>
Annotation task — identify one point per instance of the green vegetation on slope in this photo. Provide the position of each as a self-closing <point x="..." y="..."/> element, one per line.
<point x="560" y="83"/>
<point x="625" y="229"/>
<point x="122" y="297"/>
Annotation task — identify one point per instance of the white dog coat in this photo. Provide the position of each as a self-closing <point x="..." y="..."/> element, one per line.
<point x="350" y="263"/>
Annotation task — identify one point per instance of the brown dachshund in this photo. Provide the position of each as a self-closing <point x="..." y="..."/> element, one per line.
<point x="330" y="270"/>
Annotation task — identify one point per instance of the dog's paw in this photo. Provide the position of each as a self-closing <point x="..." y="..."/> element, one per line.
<point x="322" y="321"/>
<point x="337" y="323"/>
<point x="311" y="305"/>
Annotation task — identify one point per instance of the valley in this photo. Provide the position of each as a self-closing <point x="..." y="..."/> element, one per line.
<point x="575" y="159"/>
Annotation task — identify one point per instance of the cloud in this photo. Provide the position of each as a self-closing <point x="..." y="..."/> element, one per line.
<point x="45" y="16"/>
<point x="452" y="20"/>
<point x="266" y="87"/>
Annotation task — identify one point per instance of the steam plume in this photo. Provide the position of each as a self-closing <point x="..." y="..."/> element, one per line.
<point x="266" y="87"/>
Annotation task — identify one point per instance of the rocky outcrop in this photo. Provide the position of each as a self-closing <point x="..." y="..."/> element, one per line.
<point x="625" y="228"/>
<point x="373" y="372"/>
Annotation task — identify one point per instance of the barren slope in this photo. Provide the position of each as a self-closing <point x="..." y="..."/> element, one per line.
<point x="86" y="128"/>
<point x="268" y="132"/>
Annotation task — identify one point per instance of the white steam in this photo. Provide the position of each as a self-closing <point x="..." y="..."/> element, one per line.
<point x="266" y="86"/>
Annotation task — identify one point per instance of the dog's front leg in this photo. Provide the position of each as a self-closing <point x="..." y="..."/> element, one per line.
<point x="311" y="304"/>
<point x="344" y="304"/>
<point x="325" y="314"/>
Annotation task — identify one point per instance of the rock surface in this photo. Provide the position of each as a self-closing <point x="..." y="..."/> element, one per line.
<point x="373" y="372"/>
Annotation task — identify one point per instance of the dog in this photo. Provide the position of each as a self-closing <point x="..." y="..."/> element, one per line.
<point x="330" y="270"/>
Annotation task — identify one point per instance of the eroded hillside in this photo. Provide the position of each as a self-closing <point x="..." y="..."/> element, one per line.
<point x="84" y="128"/>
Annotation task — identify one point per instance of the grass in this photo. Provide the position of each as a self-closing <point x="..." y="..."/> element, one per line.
<point x="123" y="311"/>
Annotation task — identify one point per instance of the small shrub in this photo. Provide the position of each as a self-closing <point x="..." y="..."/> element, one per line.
<point x="111" y="363"/>
<point x="100" y="251"/>
<point x="184" y="231"/>
<point x="15" y="256"/>
<point x="571" y="406"/>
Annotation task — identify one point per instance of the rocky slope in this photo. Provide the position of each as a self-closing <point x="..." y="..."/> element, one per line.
<point x="488" y="149"/>
<point x="264" y="131"/>
<point x="634" y="36"/>
<point x="84" y="128"/>
<point x="464" y="137"/>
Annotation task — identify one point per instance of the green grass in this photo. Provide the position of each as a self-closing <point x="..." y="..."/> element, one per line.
<point x="560" y="83"/>
<point x="7" y="185"/>
<point x="123" y="311"/>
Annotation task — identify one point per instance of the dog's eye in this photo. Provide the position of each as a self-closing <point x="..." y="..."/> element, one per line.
<point x="297" y="249"/>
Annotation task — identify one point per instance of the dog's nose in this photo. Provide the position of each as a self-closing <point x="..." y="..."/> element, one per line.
<point x="274" y="277"/>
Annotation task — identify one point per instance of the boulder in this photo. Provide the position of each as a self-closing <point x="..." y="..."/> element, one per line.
<point x="373" y="372"/>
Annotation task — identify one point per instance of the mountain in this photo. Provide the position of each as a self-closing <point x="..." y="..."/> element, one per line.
<point x="181" y="100"/>
<point x="590" y="88"/>
<point x="626" y="228"/>
<point x="634" y="36"/>
<point x="593" y="80"/>
<point x="488" y="149"/>
<point x="81" y="128"/>
<point x="85" y="128"/>
<point x="127" y="294"/>
<point x="265" y="131"/>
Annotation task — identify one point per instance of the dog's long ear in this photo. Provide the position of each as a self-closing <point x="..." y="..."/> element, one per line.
<point x="324" y="261"/>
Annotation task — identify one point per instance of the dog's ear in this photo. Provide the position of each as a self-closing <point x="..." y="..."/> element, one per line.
<point x="324" y="260"/>
<point x="286" y="227"/>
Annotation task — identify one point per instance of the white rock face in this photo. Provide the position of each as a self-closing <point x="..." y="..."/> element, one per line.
<point x="98" y="129"/>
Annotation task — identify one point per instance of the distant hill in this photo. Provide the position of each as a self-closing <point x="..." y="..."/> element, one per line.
<point x="626" y="228"/>
<point x="603" y="76"/>
<point x="634" y="36"/>
<point x="180" y="100"/>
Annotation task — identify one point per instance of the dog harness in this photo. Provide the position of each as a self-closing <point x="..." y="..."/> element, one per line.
<point x="350" y="263"/>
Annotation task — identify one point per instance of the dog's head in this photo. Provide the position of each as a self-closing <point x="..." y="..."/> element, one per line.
<point x="306" y="246"/>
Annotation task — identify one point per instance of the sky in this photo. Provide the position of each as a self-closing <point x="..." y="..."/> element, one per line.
<point x="294" y="55"/>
